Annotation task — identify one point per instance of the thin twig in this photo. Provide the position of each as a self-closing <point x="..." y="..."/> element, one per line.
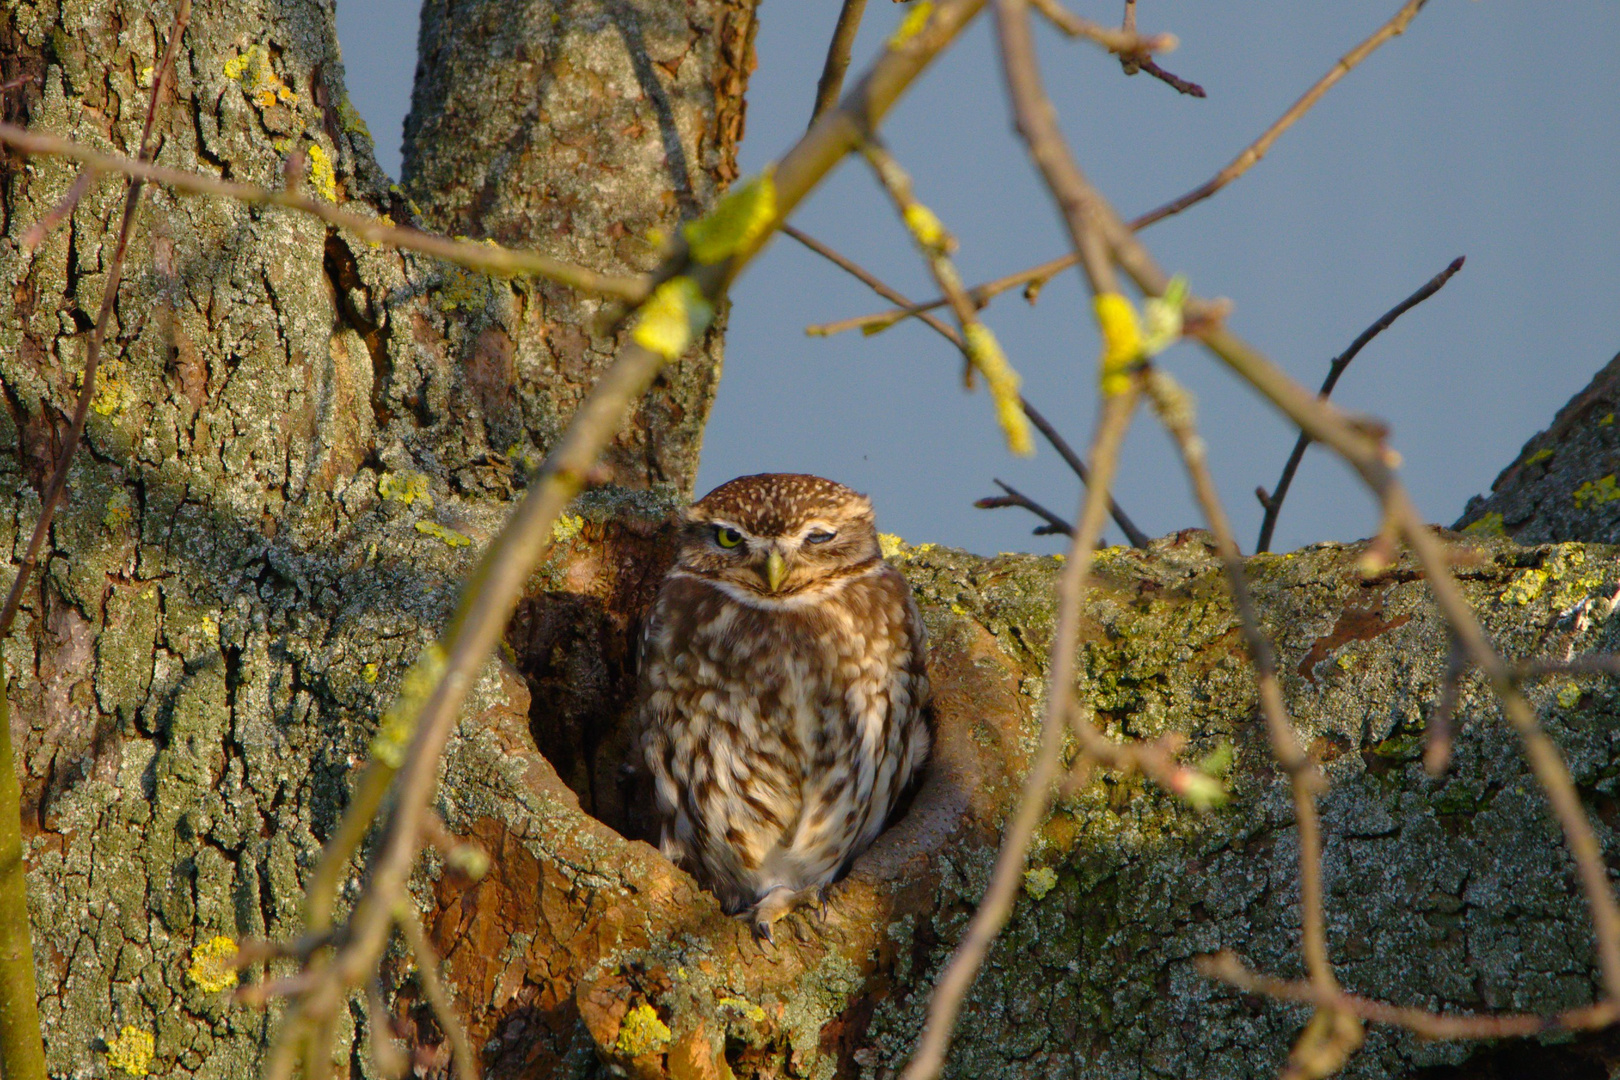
<point x="21" y="1047"/>
<point x="1154" y="759"/>
<point x="1055" y="525"/>
<point x="838" y="50"/>
<point x="1367" y="455"/>
<point x="959" y="974"/>
<point x="1134" y="534"/>
<point x="39" y="230"/>
<point x="444" y="1010"/>
<point x="1256" y="150"/>
<point x="1272" y="501"/>
<point x="1170" y="79"/>
<point x="1135" y="53"/>
<point x="1036" y="122"/>
<point x="1175" y="410"/>
<point x="932" y="240"/>
<point x="1229" y="969"/>
<point x="1590" y="664"/>
<point x="1437" y="754"/>
<point x="487" y="258"/>
<point x="491" y="593"/>
<point x="1125" y="43"/>
<point x="1137" y="538"/>
<point x="1036" y="276"/>
<point x="877" y="285"/>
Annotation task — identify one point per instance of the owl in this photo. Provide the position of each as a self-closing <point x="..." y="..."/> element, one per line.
<point x="784" y="699"/>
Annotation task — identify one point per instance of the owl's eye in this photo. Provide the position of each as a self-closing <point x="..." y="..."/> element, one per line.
<point x="727" y="537"/>
<point x="820" y="536"/>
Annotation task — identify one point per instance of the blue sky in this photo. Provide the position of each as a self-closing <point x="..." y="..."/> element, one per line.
<point x="1491" y="129"/>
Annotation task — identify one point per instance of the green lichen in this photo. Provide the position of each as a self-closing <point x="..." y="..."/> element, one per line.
<point x="1490" y="524"/>
<point x="350" y="118"/>
<point x="744" y="1006"/>
<point x="1539" y="456"/>
<point x="132" y="1051"/>
<point x="1526" y="587"/>
<point x="566" y="527"/>
<point x="448" y="537"/>
<point x="213" y="966"/>
<point x="1592" y="494"/>
<point x="1569" y="695"/>
<point x="322" y="177"/>
<point x="465" y="289"/>
<point x="405" y="487"/>
<point x="254" y="70"/>
<point x="1040" y="881"/>
<point x="120" y="512"/>
<point x="642" y="1032"/>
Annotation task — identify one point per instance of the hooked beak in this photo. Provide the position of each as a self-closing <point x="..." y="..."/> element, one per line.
<point x="776" y="571"/>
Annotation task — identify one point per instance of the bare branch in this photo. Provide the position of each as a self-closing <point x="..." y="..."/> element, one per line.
<point x="1273" y="501"/>
<point x="1037" y="123"/>
<point x="1175" y="409"/>
<point x="1124" y="42"/>
<point x="1437" y="754"/>
<point x="39" y="230"/>
<point x="1229" y="969"/>
<point x="438" y="995"/>
<point x="452" y="665"/>
<point x="488" y="258"/>
<point x="1367" y="455"/>
<point x="1036" y="276"/>
<point x="1256" y="150"/>
<point x="1054" y="526"/>
<point x="1137" y="538"/>
<point x="957" y="978"/>
<point x="832" y="72"/>
<point x="872" y="282"/>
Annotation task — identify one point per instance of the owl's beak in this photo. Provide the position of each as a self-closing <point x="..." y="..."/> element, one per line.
<point x="776" y="570"/>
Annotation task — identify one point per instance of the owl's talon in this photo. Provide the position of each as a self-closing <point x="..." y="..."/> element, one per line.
<point x="823" y="895"/>
<point x="762" y="932"/>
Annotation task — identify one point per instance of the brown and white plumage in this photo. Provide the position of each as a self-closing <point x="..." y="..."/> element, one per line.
<point x="784" y="694"/>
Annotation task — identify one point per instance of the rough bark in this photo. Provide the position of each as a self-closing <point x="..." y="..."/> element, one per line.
<point x="293" y="436"/>
<point x="548" y="124"/>
<point x="1452" y="893"/>
<point x="1562" y="485"/>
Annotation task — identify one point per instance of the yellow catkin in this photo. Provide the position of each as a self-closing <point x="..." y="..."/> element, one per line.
<point x="1122" y="341"/>
<point x="738" y="220"/>
<point x="991" y="362"/>
<point x="676" y="313"/>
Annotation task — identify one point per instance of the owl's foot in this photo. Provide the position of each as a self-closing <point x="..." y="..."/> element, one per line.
<point x="770" y="908"/>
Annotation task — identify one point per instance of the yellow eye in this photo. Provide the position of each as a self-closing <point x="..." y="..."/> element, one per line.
<point x="727" y="537"/>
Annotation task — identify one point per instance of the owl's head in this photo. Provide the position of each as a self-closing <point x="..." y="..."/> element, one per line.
<point x="778" y="534"/>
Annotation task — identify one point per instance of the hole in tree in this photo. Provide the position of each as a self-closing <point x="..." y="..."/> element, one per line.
<point x="575" y="656"/>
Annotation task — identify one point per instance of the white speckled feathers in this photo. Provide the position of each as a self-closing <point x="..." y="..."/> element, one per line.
<point x="783" y="691"/>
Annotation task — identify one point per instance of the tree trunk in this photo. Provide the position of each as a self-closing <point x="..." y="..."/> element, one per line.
<point x="293" y="433"/>
<point x="1562" y="484"/>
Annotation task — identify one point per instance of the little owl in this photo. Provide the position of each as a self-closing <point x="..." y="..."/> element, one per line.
<point x="784" y="695"/>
